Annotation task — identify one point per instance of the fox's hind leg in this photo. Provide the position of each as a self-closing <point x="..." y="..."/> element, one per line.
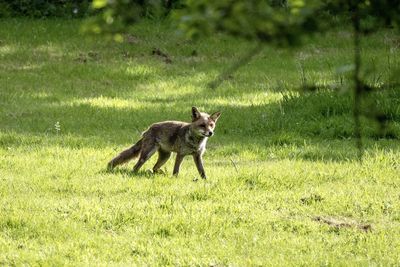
<point x="148" y="149"/>
<point x="163" y="157"/>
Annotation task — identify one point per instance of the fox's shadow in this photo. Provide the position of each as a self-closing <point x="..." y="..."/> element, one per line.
<point x="128" y="173"/>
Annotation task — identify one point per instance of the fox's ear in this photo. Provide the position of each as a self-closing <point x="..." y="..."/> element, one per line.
<point x="195" y="113"/>
<point x="215" y="116"/>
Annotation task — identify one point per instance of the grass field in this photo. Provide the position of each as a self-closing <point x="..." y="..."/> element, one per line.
<point x="284" y="188"/>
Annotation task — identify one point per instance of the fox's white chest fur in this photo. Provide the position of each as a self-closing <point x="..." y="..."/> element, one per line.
<point x="193" y="144"/>
<point x="202" y="145"/>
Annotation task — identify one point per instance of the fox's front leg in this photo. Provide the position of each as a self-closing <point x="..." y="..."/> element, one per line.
<point x="198" y="159"/>
<point x="178" y="161"/>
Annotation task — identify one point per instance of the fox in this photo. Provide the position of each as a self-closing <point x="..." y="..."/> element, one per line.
<point x="165" y="137"/>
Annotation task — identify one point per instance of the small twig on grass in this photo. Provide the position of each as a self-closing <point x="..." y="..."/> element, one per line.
<point x="234" y="165"/>
<point x="233" y="68"/>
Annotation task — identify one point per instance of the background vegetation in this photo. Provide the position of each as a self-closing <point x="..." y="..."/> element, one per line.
<point x="45" y="8"/>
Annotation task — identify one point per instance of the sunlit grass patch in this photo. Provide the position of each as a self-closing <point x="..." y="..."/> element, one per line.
<point x="139" y="70"/>
<point x="106" y="102"/>
<point x="6" y="50"/>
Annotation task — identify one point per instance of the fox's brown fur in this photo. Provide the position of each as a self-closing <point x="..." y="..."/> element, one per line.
<point x="172" y="136"/>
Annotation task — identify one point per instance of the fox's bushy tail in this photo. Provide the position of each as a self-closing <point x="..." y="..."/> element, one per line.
<point x="126" y="155"/>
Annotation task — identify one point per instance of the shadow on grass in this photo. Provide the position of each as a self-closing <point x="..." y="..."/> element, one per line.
<point x="126" y="171"/>
<point x="314" y="126"/>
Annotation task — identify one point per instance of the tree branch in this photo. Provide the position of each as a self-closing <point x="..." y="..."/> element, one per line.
<point x="233" y="68"/>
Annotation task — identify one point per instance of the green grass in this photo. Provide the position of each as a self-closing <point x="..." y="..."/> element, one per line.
<point x="278" y="160"/>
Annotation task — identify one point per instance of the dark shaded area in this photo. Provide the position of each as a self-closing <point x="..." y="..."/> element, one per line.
<point x="165" y="57"/>
<point x="45" y="8"/>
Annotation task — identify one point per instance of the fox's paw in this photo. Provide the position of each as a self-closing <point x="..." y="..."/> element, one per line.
<point x="159" y="171"/>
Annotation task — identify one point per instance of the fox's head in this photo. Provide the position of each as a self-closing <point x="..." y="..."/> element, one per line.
<point x="203" y="124"/>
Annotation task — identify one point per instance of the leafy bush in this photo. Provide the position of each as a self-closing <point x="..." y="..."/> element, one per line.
<point x="44" y="8"/>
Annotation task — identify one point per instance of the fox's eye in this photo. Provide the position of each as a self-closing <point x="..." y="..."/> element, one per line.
<point x="203" y="125"/>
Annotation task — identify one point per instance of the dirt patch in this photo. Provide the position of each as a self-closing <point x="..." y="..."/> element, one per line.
<point x="313" y="198"/>
<point x="131" y="39"/>
<point x="162" y="55"/>
<point x="89" y="56"/>
<point x="343" y="223"/>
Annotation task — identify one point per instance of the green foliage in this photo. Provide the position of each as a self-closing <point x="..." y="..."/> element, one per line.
<point x="373" y="14"/>
<point x="44" y="8"/>
<point x="279" y="22"/>
<point x="282" y="24"/>
<point x="115" y="17"/>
